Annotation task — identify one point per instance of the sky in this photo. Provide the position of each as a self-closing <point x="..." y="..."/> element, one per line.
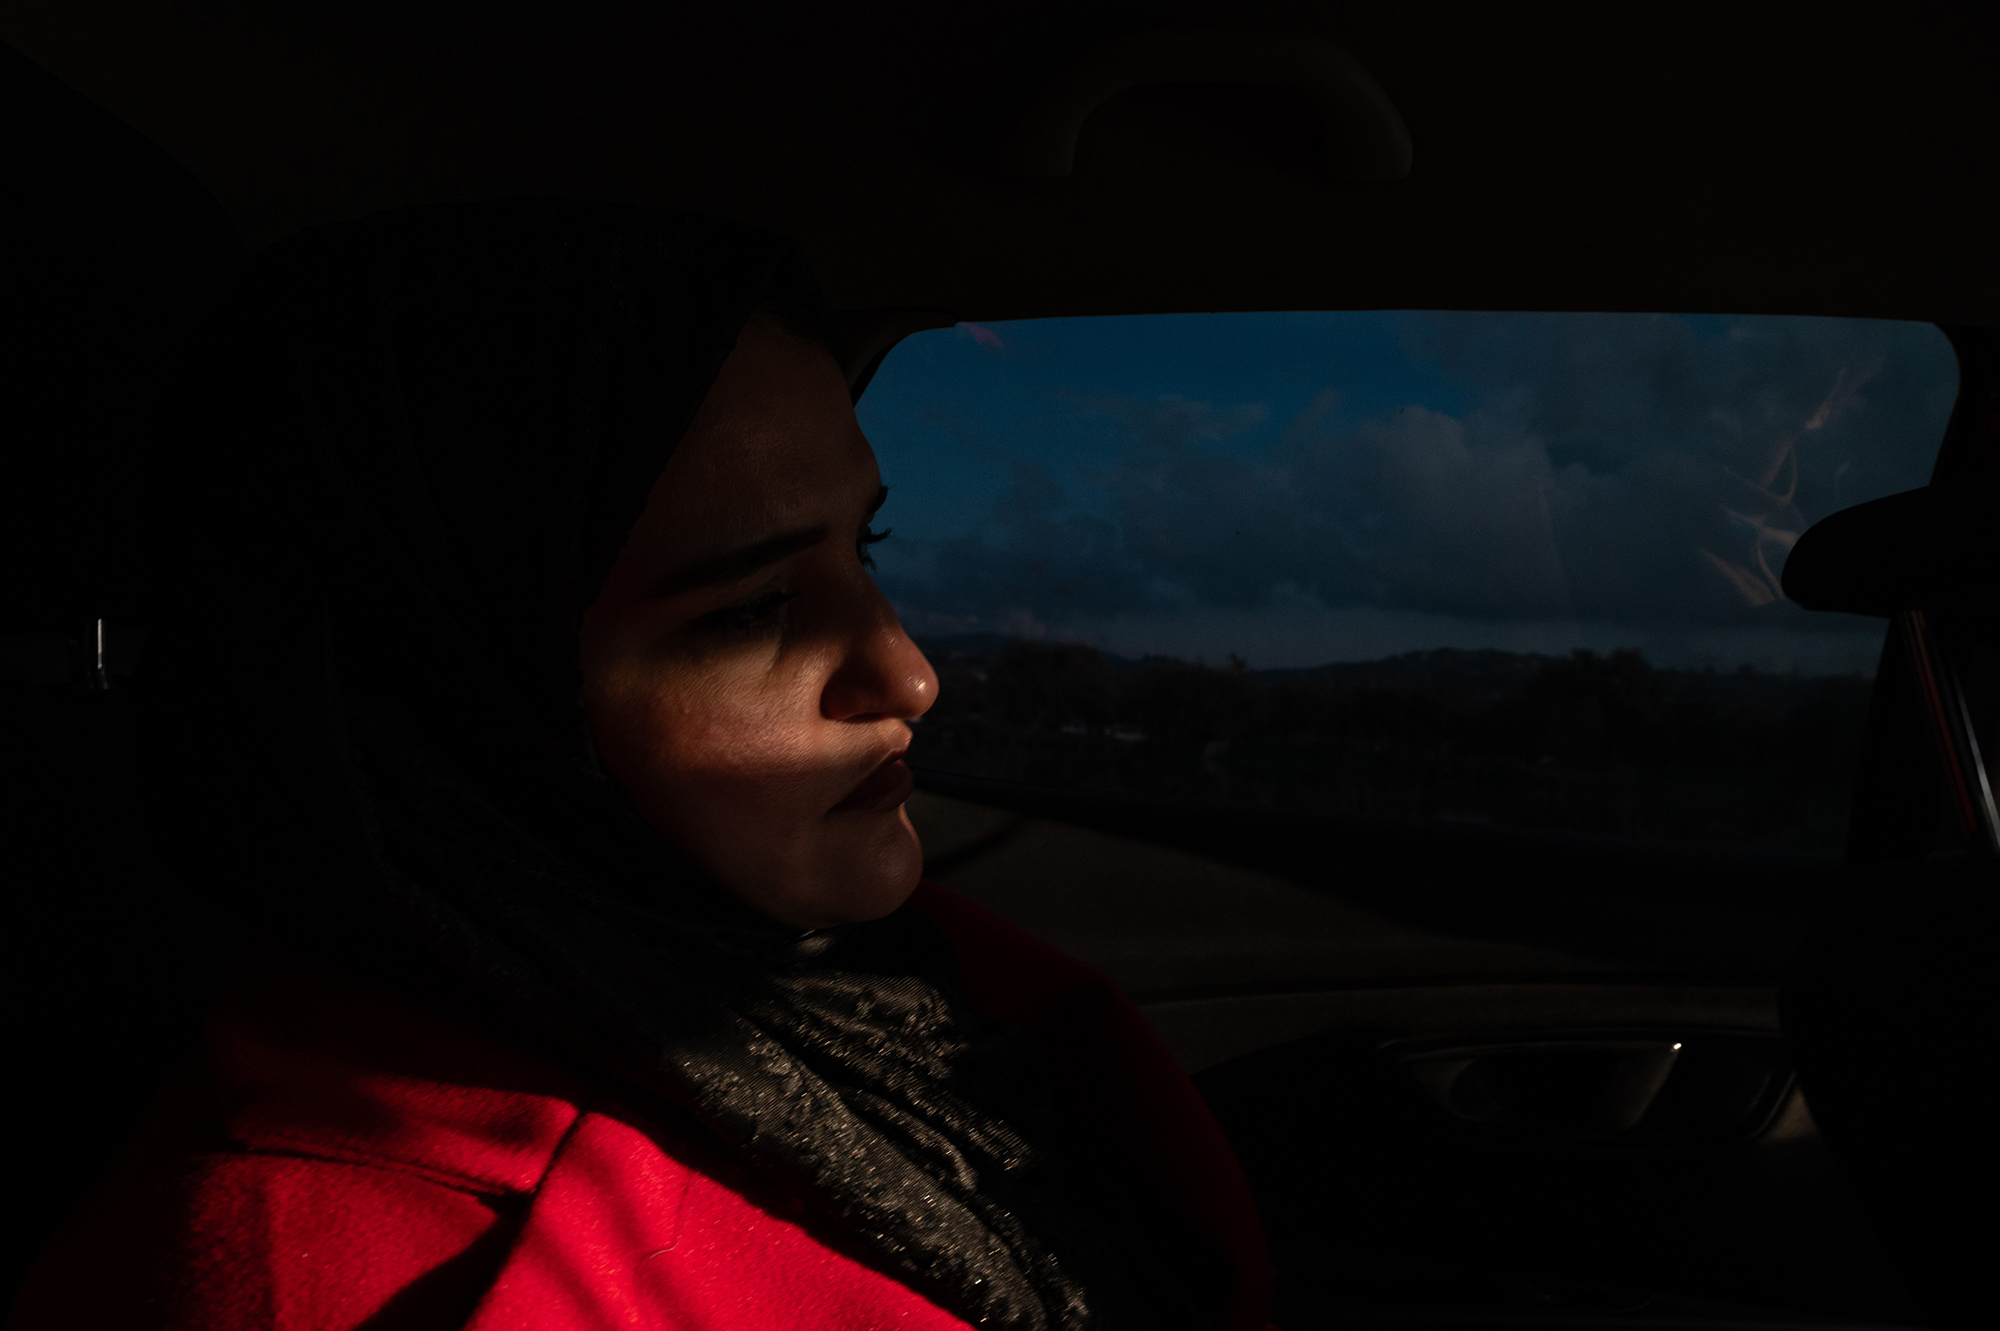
<point x="1297" y="488"/>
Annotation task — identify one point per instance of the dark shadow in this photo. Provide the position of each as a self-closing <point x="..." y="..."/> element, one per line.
<point x="447" y="1294"/>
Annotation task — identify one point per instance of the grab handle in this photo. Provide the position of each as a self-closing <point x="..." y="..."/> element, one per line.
<point x="1365" y="135"/>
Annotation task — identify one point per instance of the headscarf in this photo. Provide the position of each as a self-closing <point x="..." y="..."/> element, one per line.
<point x="413" y="452"/>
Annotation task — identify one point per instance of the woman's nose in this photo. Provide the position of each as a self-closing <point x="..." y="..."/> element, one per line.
<point x="882" y="672"/>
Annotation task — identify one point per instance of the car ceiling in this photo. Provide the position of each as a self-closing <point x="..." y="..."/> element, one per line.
<point x="1619" y="157"/>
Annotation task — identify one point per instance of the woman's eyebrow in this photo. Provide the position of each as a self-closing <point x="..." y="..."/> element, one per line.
<point x="734" y="564"/>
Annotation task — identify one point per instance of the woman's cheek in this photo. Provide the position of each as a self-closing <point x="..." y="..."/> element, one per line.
<point x="737" y="768"/>
<point x="745" y="751"/>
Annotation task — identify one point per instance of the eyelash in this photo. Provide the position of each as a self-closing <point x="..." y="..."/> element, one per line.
<point x="869" y="537"/>
<point x="763" y="611"/>
<point x="758" y="613"/>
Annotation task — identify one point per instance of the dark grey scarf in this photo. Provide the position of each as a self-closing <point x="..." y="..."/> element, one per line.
<point x="412" y="454"/>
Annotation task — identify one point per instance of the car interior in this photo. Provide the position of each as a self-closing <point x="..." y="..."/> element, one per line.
<point x="1479" y="1073"/>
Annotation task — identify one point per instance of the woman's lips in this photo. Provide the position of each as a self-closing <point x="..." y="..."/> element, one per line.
<point x="884" y="788"/>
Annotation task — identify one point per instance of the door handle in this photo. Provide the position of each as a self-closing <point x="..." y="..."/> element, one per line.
<point x="1554" y="1089"/>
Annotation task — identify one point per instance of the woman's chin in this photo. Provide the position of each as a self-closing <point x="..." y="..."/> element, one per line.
<point x="887" y="871"/>
<point x="861" y="868"/>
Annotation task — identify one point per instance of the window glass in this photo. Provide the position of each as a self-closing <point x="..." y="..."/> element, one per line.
<point x="1520" y="569"/>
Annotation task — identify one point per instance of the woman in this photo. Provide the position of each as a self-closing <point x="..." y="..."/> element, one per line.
<point x="532" y="700"/>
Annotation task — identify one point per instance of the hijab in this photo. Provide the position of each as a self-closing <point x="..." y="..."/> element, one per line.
<point x="412" y="451"/>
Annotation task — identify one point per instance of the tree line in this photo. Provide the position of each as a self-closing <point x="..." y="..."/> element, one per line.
<point x="1585" y="742"/>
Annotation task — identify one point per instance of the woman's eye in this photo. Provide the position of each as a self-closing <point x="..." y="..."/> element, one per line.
<point x="757" y="613"/>
<point x="867" y="538"/>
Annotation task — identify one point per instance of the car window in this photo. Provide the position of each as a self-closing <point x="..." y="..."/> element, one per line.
<point x="1517" y="569"/>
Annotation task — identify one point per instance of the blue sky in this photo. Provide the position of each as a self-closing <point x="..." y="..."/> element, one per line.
<point x="1305" y="487"/>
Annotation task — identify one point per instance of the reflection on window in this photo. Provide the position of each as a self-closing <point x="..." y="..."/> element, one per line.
<point x="1510" y="568"/>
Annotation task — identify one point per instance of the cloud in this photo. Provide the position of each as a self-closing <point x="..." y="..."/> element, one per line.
<point x="1030" y="564"/>
<point x="1449" y="515"/>
<point x="1603" y="467"/>
<point x="1174" y="422"/>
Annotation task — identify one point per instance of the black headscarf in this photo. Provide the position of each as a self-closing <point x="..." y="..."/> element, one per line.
<point x="413" y="451"/>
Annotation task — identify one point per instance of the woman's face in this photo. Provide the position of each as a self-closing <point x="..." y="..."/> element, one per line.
<point x="746" y="682"/>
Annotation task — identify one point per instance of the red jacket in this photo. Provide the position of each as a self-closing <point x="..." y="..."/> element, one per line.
<point x="338" y="1159"/>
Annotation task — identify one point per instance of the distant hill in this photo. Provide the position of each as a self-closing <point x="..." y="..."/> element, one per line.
<point x="1603" y="744"/>
<point x="1487" y="672"/>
